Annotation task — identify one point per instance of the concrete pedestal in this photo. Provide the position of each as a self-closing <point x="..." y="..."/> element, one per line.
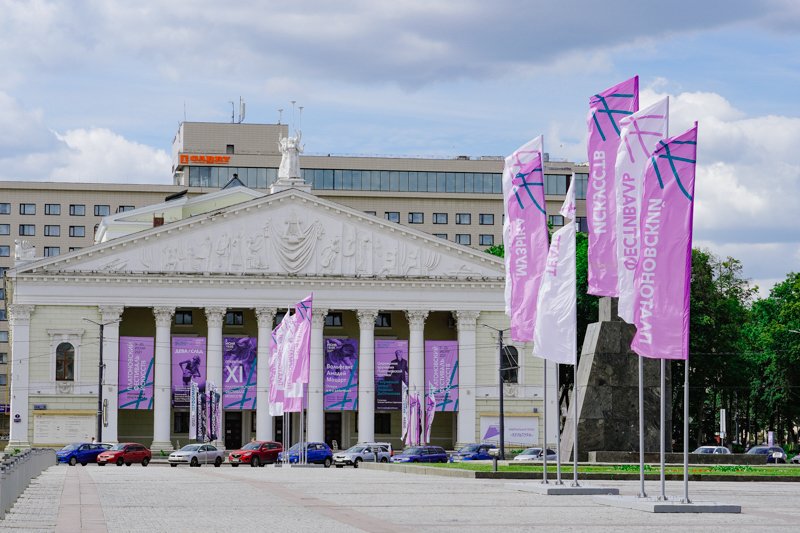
<point x="565" y="489"/>
<point x="675" y="505"/>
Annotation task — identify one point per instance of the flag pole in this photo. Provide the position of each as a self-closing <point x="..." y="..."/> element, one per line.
<point x="558" y="430"/>
<point x="575" y="428"/>
<point x="686" y="432"/>
<point x="662" y="436"/>
<point x="544" y="427"/>
<point x="642" y="492"/>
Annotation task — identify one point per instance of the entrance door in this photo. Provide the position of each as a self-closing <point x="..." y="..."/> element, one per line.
<point x="233" y="430"/>
<point x="333" y="430"/>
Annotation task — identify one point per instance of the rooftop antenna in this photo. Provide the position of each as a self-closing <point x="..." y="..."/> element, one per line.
<point x="280" y="115"/>
<point x="293" y="123"/>
<point x="299" y="118"/>
<point x="232" y="104"/>
<point x="241" y="110"/>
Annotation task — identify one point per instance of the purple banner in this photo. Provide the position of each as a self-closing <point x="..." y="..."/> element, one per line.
<point x="239" y="372"/>
<point x="341" y="374"/>
<point x="391" y="372"/>
<point x="441" y="373"/>
<point x="188" y="365"/>
<point x="661" y="286"/>
<point x="136" y="372"/>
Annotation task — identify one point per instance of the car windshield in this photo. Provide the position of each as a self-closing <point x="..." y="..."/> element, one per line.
<point x="70" y="447"/>
<point x="355" y="449"/>
<point x="469" y="448"/>
<point x="120" y="446"/>
<point x="532" y="451"/>
<point x="412" y="451"/>
<point x="758" y="450"/>
<point x="191" y="448"/>
<point x="704" y="449"/>
<point x="251" y="446"/>
<point x="295" y="448"/>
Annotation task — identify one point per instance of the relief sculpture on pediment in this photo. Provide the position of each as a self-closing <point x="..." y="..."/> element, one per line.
<point x="295" y="247"/>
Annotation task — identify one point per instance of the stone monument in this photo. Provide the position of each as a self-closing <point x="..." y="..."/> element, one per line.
<point x="289" y="176"/>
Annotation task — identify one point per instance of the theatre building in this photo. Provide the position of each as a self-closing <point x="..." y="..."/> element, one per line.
<point x="221" y="268"/>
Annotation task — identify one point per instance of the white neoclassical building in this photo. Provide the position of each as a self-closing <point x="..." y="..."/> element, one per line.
<point x="223" y="265"/>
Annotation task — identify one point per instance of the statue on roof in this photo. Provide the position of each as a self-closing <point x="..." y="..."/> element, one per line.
<point x="291" y="149"/>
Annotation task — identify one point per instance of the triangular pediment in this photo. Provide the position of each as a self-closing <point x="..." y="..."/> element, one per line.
<point x="288" y="233"/>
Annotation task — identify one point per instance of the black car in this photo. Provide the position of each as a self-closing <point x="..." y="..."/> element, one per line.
<point x="773" y="454"/>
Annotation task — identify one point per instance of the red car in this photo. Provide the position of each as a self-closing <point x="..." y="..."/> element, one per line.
<point x="256" y="453"/>
<point x="125" y="453"/>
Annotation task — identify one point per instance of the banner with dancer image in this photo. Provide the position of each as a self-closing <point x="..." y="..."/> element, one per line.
<point x="391" y="372"/>
<point x="239" y="358"/>
<point x="136" y="360"/>
<point x="188" y="366"/>
<point x="441" y="373"/>
<point x="341" y="374"/>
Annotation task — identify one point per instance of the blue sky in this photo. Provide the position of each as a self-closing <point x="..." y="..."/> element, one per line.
<point x="95" y="90"/>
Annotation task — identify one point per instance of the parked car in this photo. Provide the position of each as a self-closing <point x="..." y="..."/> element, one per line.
<point x="316" y="452"/>
<point x="713" y="449"/>
<point x="197" y="455"/>
<point x="535" y="454"/>
<point x="387" y="445"/>
<point x="81" y="452"/>
<point x="360" y="453"/>
<point x="773" y="454"/>
<point x="796" y="459"/>
<point x="473" y="452"/>
<point x="421" y="454"/>
<point x="125" y="453"/>
<point x="256" y="453"/>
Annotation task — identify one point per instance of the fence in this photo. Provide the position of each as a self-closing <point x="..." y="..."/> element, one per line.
<point x="16" y="472"/>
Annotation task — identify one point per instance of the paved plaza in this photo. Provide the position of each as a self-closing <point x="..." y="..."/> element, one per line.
<point x="158" y="498"/>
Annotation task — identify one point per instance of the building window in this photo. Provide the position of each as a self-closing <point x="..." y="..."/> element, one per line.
<point x="373" y="213"/>
<point x="180" y="422"/>
<point x="77" y="231"/>
<point x="123" y="208"/>
<point x="3" y="358"/>
<point x="441" y="235"/>
<point x="77" y="210"/>
<point x="5" y="250"/>
<point x="3" y="380"/>
<point x="52" y="209"/>
<point x="486" y="219"/>
<point x="65" y="362"/>
<point x="333" y="320"/>
<point x="393" y="216"/>
<point x="5" y="208"/>
<point x="416" y="218"/>
<point x="52" y="231"/>
<point x="383" y="320"/>
<point x="510" y="370"/>
<point x="5" y="229"/>
<point x="234" y="318"/>
<point x="279" y="318"/>
<point x="27" y="209"/>
<point x="3" y="315"/>
<point x="486" y="240"/>
<point x="229" y="149"/>
<point x="581" y="225"/>
<point x="52" y="251"/>
<point x="555" y="184"/>
<point x="27" y="230"/>
<point x="555" y="220"/>
<point x="463" y="238"/>
<point x="463" y="218"/>
<point x="183" y="318"/>
<point x="440" y="218"/>
<point x="2" y="292"/>
<point x="383" y="423"/>
<point x="3" y="336"/>
<point x="102" y="210"/>
<point x="73" y="248"/>
<point x="581" y="184"/>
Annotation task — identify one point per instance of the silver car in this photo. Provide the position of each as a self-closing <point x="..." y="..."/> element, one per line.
<point x="359" y="453"/>
<point x="196" y="455"/>
<point x="535" y="454"/>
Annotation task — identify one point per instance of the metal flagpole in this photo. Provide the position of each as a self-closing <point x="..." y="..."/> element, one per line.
<point x="686" y="433"/>
<point x="544" y="448"/>
<point x="575" y="428"/>
<point x="662" y="433"/>
<point x="558" y="431"/>
<point x="642" y="493"/>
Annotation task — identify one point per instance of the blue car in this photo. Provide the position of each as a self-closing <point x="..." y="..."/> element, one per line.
<point x="316" y="452"/>
<point x="81" y="452"/>
<point x="473" y="452"/>
<point x="421" y="454"/>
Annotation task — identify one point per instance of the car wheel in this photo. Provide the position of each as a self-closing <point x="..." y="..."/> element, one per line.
<point x="101" y="464"/>
<point x="84" y="464"/>
<point x="145" y="461"/>
<point x="195" y="462"/>
<point x="327" y="462"/>
<point x="120" y="462"/>
<point x="234" y="465"/>
<point x="384" y="460"/>
<point x="356" y="462"/>
<point x="72" y="461"/>
<point x="173" y="465"/>
<point x="217" y="462"/>
<point x="254" y="462"/>
<point x="128" y="464"/>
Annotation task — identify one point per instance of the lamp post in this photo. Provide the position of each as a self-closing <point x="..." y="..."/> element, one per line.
<point x="500" y="380"/>
<point x="100" y="368"/>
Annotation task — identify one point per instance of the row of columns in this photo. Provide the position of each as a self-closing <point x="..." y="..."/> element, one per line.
<point x="162" y="386"/>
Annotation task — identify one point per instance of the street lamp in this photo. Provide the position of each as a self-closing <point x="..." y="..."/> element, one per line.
<point x="500" y="376"/>
<point x="100" y="367"/>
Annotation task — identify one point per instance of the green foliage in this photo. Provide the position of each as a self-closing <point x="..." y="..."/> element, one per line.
<point x="497" y="250"/>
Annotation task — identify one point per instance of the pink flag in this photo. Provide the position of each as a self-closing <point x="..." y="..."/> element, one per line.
<point x="299" y="349"/>
<point x="661" y="279"/>
<point x="430" y="412"/>
<point x="521" y="156"/>
<point x="605" y="111"/>
<point x="641" y="133"/>
<point x="276" y="373"/>
<point x="525" y="241"/>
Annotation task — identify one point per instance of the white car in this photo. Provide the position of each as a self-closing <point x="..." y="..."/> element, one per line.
<point x="196" y="455"/>
<point x="535" y="454"/>
<point x="713" y="450"/>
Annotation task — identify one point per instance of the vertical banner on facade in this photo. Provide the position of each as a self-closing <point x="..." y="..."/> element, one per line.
<point x="391" y="372"/>
<point x="136" y="360"/>
<point x="341" y="374"/>
<point x="188" y="365"/>
<point x="662" y="276"/>
<point x="441" y="373"/>
<point x="239" y="372"/>
<point x="605" y="111"/>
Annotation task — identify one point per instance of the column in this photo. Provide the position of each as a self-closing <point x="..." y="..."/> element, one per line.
<point x="162" y="386"/>
<point x="467" y="381"/>
<point x="316" y="394"/>
<point x="214" y="317"/>
<point x="416" y="351"/>
<point x="110" y="316"/>
<point x="265" y="317"/>
<point x="19" y="321"/>
<point x="366" y="374"/>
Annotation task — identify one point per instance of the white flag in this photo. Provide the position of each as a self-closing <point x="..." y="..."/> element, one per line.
<point x="405" y="405"/>
<point x="555" y="336"/>
<point x="639" y="137"/>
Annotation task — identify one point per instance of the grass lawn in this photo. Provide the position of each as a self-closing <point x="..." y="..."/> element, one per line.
<point x="732" y="470"/>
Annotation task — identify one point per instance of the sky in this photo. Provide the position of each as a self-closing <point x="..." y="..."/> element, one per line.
<point x="94" y="90"/>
